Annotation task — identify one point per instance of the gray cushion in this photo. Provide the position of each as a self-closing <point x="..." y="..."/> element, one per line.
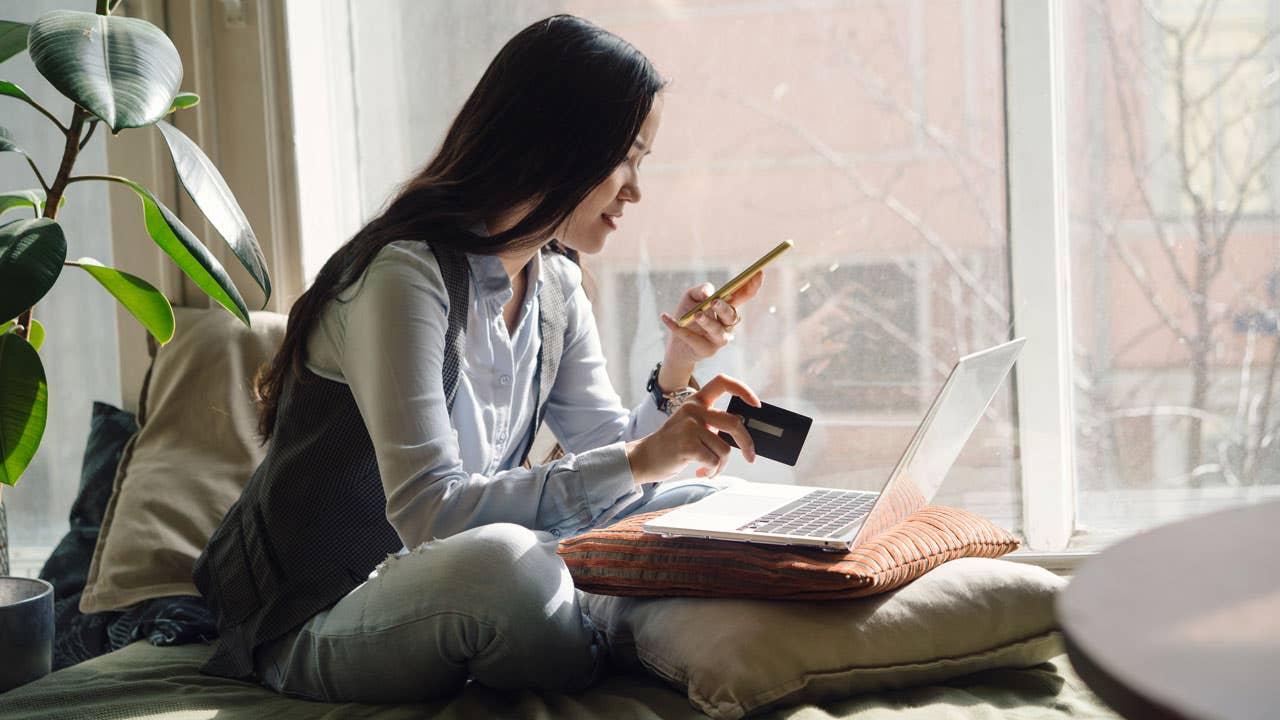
<point x="733" y="656"/>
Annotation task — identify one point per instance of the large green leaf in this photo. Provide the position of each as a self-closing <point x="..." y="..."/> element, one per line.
<point x="138" y="296"/>
<point x="210" y="192"/>
<point x="8" y="88"/>
<point x="33" y="199"/>
<point x="124" y="70"/>
<point x="13" y="39"/>
<point x="35" y="337"/>
<point x="31" y="256"/>
<point x="24" y="405"/>
<point x="191" y="255"/>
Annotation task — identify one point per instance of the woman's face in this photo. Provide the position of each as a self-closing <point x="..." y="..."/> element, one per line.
<point x="601" y="212"/>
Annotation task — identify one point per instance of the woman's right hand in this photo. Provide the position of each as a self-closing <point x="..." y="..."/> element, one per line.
<point x="689" y="435"/>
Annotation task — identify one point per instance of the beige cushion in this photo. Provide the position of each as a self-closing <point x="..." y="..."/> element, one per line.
<point x="194" y="452"/>
<point x="733" y="656"/>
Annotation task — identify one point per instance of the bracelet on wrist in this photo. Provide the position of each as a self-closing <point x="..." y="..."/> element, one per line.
<point x="667" y="402"/>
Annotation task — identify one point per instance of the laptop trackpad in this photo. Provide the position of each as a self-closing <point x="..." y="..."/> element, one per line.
<point x="727" y="502"/>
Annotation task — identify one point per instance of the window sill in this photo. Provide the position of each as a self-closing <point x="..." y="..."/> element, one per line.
<point x="26" y="561"/>
<point x="1063" y="563"/>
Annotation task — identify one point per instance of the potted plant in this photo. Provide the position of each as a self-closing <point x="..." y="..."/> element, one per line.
<point x="26" y="630"/>
<point x="121" y="73"/>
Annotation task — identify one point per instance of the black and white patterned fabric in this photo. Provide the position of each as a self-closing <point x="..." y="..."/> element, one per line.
<point x="171" y="620"/>
<point x="453" y="269"/>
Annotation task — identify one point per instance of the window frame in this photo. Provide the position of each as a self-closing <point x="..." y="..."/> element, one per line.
<point x="1039" y="267"/>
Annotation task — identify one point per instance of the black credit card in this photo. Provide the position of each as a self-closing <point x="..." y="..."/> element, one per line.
<point x="778" y="433"/>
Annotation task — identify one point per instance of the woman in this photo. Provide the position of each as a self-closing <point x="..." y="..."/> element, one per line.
<point x="412" y="378"/>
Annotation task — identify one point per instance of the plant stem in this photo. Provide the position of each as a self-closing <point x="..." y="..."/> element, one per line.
<point x="45" y="112"/>
<point x="108" y="178"/>
<point x="69" y="153"/>
<point x="44" y="185"/>
<point x="54" y="195"/>
<point x="93" y="125"/>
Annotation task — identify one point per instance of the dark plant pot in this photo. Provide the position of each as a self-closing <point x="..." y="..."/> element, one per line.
<point x="26" y="630"/>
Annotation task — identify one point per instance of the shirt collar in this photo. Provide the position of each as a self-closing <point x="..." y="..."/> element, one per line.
<point x="490" y="276"/>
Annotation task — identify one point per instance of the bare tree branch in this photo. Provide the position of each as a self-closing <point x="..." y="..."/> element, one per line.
<point x="1139" y="273"/>
<point x="1240" y="428"/>
<point x="1165" y="243"/>
<point x="877" y="86"/>
<point x="1195" y="22"/>
<point x="1167" y="411"/>
<point x="1220" y="241"/>
<point x="873" y="81"/>
<point x="1240" y="61"/>
<point x="1197" y="201"/>
<point x="925" y="232"/>
<point x="909" y="339"/>
<point x="1215" y="141"/>
<point x="1151" y="13"/>
<point x="1208" y="23"/>
<point x="1211" y="223"/>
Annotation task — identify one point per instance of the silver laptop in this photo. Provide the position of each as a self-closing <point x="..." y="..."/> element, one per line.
<point x="836" y="519"/>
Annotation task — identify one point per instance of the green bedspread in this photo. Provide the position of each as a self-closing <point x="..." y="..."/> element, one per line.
<point x="142" y="681"/>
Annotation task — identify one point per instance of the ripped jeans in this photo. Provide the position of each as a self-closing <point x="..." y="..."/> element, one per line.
<point x="494" y="604"/>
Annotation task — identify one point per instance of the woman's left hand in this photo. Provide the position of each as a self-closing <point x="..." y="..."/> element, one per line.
<point x="711" y="329"/>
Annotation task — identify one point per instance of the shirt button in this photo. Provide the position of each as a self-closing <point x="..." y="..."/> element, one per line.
<point x="505" y="379"/>
<point x="555" y="533"/>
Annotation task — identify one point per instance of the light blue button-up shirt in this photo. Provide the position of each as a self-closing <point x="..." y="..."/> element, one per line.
<point x="446" y="472"/>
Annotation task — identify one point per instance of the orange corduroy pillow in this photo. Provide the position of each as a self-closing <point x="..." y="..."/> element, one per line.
<point x="622" y="559"/>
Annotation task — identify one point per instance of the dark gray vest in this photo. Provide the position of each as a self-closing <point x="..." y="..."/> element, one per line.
<point x="311" y="524"/>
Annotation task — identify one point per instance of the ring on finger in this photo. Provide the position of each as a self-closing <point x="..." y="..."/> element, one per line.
<point x="737" y="317"/>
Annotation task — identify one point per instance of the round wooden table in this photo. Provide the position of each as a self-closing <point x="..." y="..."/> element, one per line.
<point x="1183" y="621"/>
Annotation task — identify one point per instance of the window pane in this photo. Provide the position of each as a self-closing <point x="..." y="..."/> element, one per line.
<point x="871" y="133"/>
<point x="1173" y="125"/>
<point x="77" y="315"/>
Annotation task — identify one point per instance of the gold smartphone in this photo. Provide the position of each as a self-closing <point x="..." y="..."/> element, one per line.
<point x="732" y="286"/>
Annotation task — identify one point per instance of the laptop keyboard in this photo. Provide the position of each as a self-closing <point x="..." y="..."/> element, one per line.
<point x="821" y="513"/>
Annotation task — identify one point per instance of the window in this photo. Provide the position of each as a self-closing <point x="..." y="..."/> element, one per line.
<point x="1174" y="141"/>
<point x="869" y="132"/>
<point x="874" y="134"/>
<point x="77" y="314"/>
<point x="852" y="305"/>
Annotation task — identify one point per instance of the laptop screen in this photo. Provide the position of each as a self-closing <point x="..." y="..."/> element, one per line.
<point x="956" y="411"/>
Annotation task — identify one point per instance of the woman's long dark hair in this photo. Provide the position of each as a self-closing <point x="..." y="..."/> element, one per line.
<point x="554" y="114"/>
